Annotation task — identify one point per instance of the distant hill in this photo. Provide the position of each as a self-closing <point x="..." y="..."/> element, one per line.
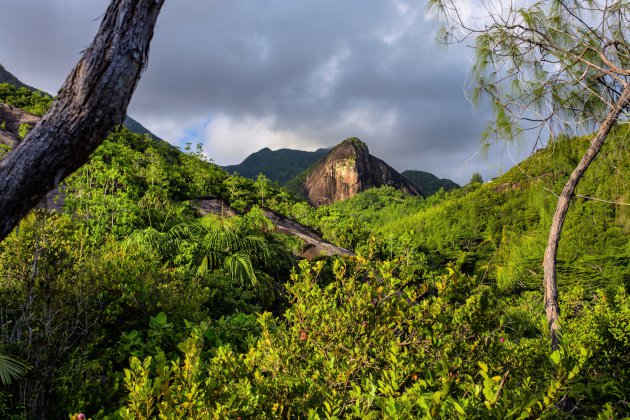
<point x="427" y="183"/>
<point x="138" y="128"/>
<point x="7" y="77"/>
<point x="345" y="171"/>
<point x="278" y="165"/>
<point x="133" y="125"/>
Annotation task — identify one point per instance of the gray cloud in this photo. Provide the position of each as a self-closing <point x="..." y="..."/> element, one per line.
<point x="242" y="75"/>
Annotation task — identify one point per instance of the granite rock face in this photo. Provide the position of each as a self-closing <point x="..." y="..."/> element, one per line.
<point x="349" y="169"/>
<point x="314" y="245"/>
<point x="10" y="120"/>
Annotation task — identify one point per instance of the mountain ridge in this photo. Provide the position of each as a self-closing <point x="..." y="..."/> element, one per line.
<point x="428" y="183"/>
<point x="289" y="168"/>
<point x="7" y="77"/>
<point x="279" y="165"/>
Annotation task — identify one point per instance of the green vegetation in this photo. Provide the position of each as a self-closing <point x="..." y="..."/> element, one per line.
<point x="548" y="66"/>
<point x="476" y="178"/>
<point x="23" y="130"/>
<point x="34" y="102"/>
<point x="126" y="303"/>
<point x="278" y="165"/>
<point x="356" y="143"/>
<point x="498" y="230"/>
<point x="4" y="149"/>
<point x="428" y="184"/>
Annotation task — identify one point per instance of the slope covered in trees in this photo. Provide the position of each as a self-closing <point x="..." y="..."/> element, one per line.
<point x="7" y="77"/>
<point x="127" y="304"/>
<point x="427" y="183"/>
<point x="279" y="165"/>
<point x="498" y="229"/>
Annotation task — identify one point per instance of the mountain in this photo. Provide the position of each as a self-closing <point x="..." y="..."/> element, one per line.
<point x="427" y="183"/>
<point x="138" y="128"/>
<point x="7" y="77"/>
<point x="133" y="125"/>
<point x="278" y="165"/>
<point x="347" y="170"/>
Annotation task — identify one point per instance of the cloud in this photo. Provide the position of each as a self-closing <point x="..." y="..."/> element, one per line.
<point x="252" y="134"/>
<point x="242" y="75"/>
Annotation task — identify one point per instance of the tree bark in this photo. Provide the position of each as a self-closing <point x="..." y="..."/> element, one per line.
<point x="550" y="281"/>
<point x="92" y="101"/>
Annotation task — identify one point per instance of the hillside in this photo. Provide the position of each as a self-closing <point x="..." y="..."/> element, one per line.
<point x="10" y="79"/>
<point x="427" y="183"/>
<point x="498" y="230"/>
<point x="278" y="165"/>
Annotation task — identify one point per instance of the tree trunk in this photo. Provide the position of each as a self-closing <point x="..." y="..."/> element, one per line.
<point x="92" y="101"/>
<point x="551" y="285"/>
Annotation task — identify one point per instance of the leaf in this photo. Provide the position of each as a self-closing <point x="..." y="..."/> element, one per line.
<point x="483" y="366"/>
<point x="160" y="318"/>
<point x="555" y="357"/>
<point x="11" y="368"/>
<point x="458" y="407"/>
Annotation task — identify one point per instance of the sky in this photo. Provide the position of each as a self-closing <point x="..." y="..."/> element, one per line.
<point x="240" y="75"/>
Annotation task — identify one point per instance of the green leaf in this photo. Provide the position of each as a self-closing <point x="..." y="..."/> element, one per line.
<point x="161" y="318"/>
<point x="11" y="368"/>
<point x="555" y="357"/>
<point x="458" y="408"/>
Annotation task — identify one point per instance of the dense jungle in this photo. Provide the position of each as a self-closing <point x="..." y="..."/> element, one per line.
<point x="120" y="300"/>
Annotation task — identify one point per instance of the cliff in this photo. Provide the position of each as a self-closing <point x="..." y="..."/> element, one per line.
<point x="347" y="170"/>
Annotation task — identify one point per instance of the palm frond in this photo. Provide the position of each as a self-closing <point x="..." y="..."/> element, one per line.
<point x="209" y="262"/>
<point x="11" y="368"/>
<point x="240" y="268"/>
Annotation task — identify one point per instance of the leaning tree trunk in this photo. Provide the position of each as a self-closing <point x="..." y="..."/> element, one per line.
<point x="551" y="285"/>
<point x="92" y="101"/>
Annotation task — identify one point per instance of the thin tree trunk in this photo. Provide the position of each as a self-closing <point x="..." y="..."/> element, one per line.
<point x="92" y="101"/>
<point x="550" y="282"/>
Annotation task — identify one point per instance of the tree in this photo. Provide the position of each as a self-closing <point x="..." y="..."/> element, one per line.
<point x="476" y="178"/>
<point x="555" y="65"/>
<point x="262" y="186"/>
<point x="92" y="101"/>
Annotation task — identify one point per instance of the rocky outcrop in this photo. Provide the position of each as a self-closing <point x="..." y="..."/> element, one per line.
<point x="213" y="205"/>
<point x="10" y="120"/>
<point x="349" y="169"/>
<point x="314" y="244"/>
